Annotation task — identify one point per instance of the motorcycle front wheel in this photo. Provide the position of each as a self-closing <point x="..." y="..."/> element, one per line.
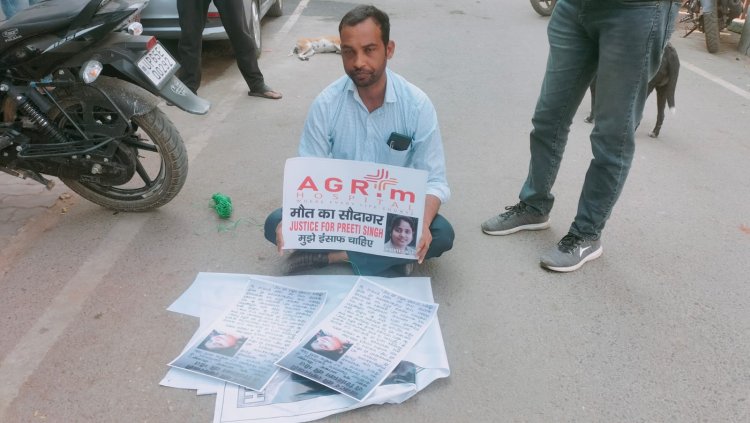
<point x="543" y="7"/>
<point x="156" y="152"/>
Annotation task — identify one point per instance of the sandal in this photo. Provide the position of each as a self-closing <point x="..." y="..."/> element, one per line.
<point x="265" y="92"/>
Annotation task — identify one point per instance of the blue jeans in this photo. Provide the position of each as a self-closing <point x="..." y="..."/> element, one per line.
<point x="621" y="41"/>
<point x="370" y="264"/>
<point x="11" y="7"/>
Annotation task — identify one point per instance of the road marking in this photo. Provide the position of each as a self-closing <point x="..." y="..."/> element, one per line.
<point x="24" y="359"/>
<point x="715" y="79"/>
<point x="293" y="17"/>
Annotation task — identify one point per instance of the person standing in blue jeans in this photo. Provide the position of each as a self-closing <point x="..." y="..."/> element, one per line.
<point x="621" y="41"/>
<point x="11" y="7"/>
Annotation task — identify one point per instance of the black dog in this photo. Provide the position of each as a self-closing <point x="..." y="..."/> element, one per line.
<point x="665" y="82"/>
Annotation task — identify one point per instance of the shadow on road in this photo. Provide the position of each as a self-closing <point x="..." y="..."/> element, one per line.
<point x="217" y="57"/>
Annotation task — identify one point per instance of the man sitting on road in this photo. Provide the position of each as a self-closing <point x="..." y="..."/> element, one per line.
<point x="352" y="120"/>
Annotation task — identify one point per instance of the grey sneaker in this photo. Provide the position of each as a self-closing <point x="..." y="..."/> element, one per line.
<point x="571" y="253"/>
<point x="517" y="218"/>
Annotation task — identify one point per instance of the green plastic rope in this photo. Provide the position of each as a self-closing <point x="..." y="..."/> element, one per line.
<point x="222" y="205"/>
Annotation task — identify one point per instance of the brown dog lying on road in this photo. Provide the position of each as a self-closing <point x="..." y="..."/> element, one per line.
<point x="307" y="47"/>
<point x="665" y="82"/>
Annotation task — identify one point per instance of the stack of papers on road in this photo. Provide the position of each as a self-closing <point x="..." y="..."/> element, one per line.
<point x="300" y="348"/>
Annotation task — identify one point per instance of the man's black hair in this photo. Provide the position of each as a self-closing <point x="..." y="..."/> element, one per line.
<point x="361" y="13"/>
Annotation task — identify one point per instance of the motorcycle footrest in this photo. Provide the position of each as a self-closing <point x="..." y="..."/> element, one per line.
<point x="9" y="136"/>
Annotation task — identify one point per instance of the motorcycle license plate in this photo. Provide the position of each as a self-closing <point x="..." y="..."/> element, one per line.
<point x="157" y="65"/>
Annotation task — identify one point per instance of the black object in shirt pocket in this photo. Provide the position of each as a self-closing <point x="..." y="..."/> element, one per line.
<point x="399" y="142"/>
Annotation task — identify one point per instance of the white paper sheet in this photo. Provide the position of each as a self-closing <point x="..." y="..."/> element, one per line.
<point x="356" y="346"/>
<point x="243" y="344"/>
<point x="282" y="400"/>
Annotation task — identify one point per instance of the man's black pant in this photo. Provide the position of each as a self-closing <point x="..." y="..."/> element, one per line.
<point x="192" y="15"/>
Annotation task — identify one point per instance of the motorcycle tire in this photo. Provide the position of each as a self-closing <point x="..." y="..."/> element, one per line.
<point x="543" y="7"/>
<point x="711" y="31"/>
<point x="160" y="157"/>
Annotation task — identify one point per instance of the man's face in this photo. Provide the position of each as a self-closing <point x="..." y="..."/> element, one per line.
<point x="363" y="53"/>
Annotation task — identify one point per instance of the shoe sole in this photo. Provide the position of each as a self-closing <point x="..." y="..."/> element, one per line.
<point x="531" y="227"/>
<point x="596" y="254"/>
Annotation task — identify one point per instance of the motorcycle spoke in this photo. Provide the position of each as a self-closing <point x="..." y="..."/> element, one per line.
<point x="142" y="145"/>
<point x="143" y="174"/>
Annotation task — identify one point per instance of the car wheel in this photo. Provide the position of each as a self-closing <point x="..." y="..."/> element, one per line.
<point x="276" y="9"/>
<point x="253" y="22"/>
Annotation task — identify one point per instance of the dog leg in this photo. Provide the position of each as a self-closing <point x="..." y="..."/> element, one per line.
<point x="310" y="53"/>
<point x="592" y="88"/>
<point x="674" y="73"/>
<point x="665" y="83"/>
<point x="661" y="103"/>
<point x="305" y="55"/>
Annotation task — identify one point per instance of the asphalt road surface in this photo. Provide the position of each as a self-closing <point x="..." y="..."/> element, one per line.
<point x="657" y="329"/>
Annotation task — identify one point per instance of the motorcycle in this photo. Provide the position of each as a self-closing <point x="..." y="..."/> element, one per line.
<point x="78" y="101"/>
<point x="710" y="17"/>
<point x="543" y="7"/>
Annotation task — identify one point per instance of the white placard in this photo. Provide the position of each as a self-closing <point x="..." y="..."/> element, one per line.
<point x="332" y="204"/>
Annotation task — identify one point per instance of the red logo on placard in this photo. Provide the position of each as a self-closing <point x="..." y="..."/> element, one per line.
<point x="381" y="180"/>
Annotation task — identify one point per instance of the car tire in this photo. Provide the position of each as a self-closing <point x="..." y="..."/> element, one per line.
<point x="276" y="9"/>
<point x="253" y="22"/>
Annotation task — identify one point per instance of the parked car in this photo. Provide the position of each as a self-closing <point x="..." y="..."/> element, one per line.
<point x="160" y="19"/>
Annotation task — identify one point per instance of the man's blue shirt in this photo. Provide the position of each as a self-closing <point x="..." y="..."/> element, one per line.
<point x="339" y="126"/>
